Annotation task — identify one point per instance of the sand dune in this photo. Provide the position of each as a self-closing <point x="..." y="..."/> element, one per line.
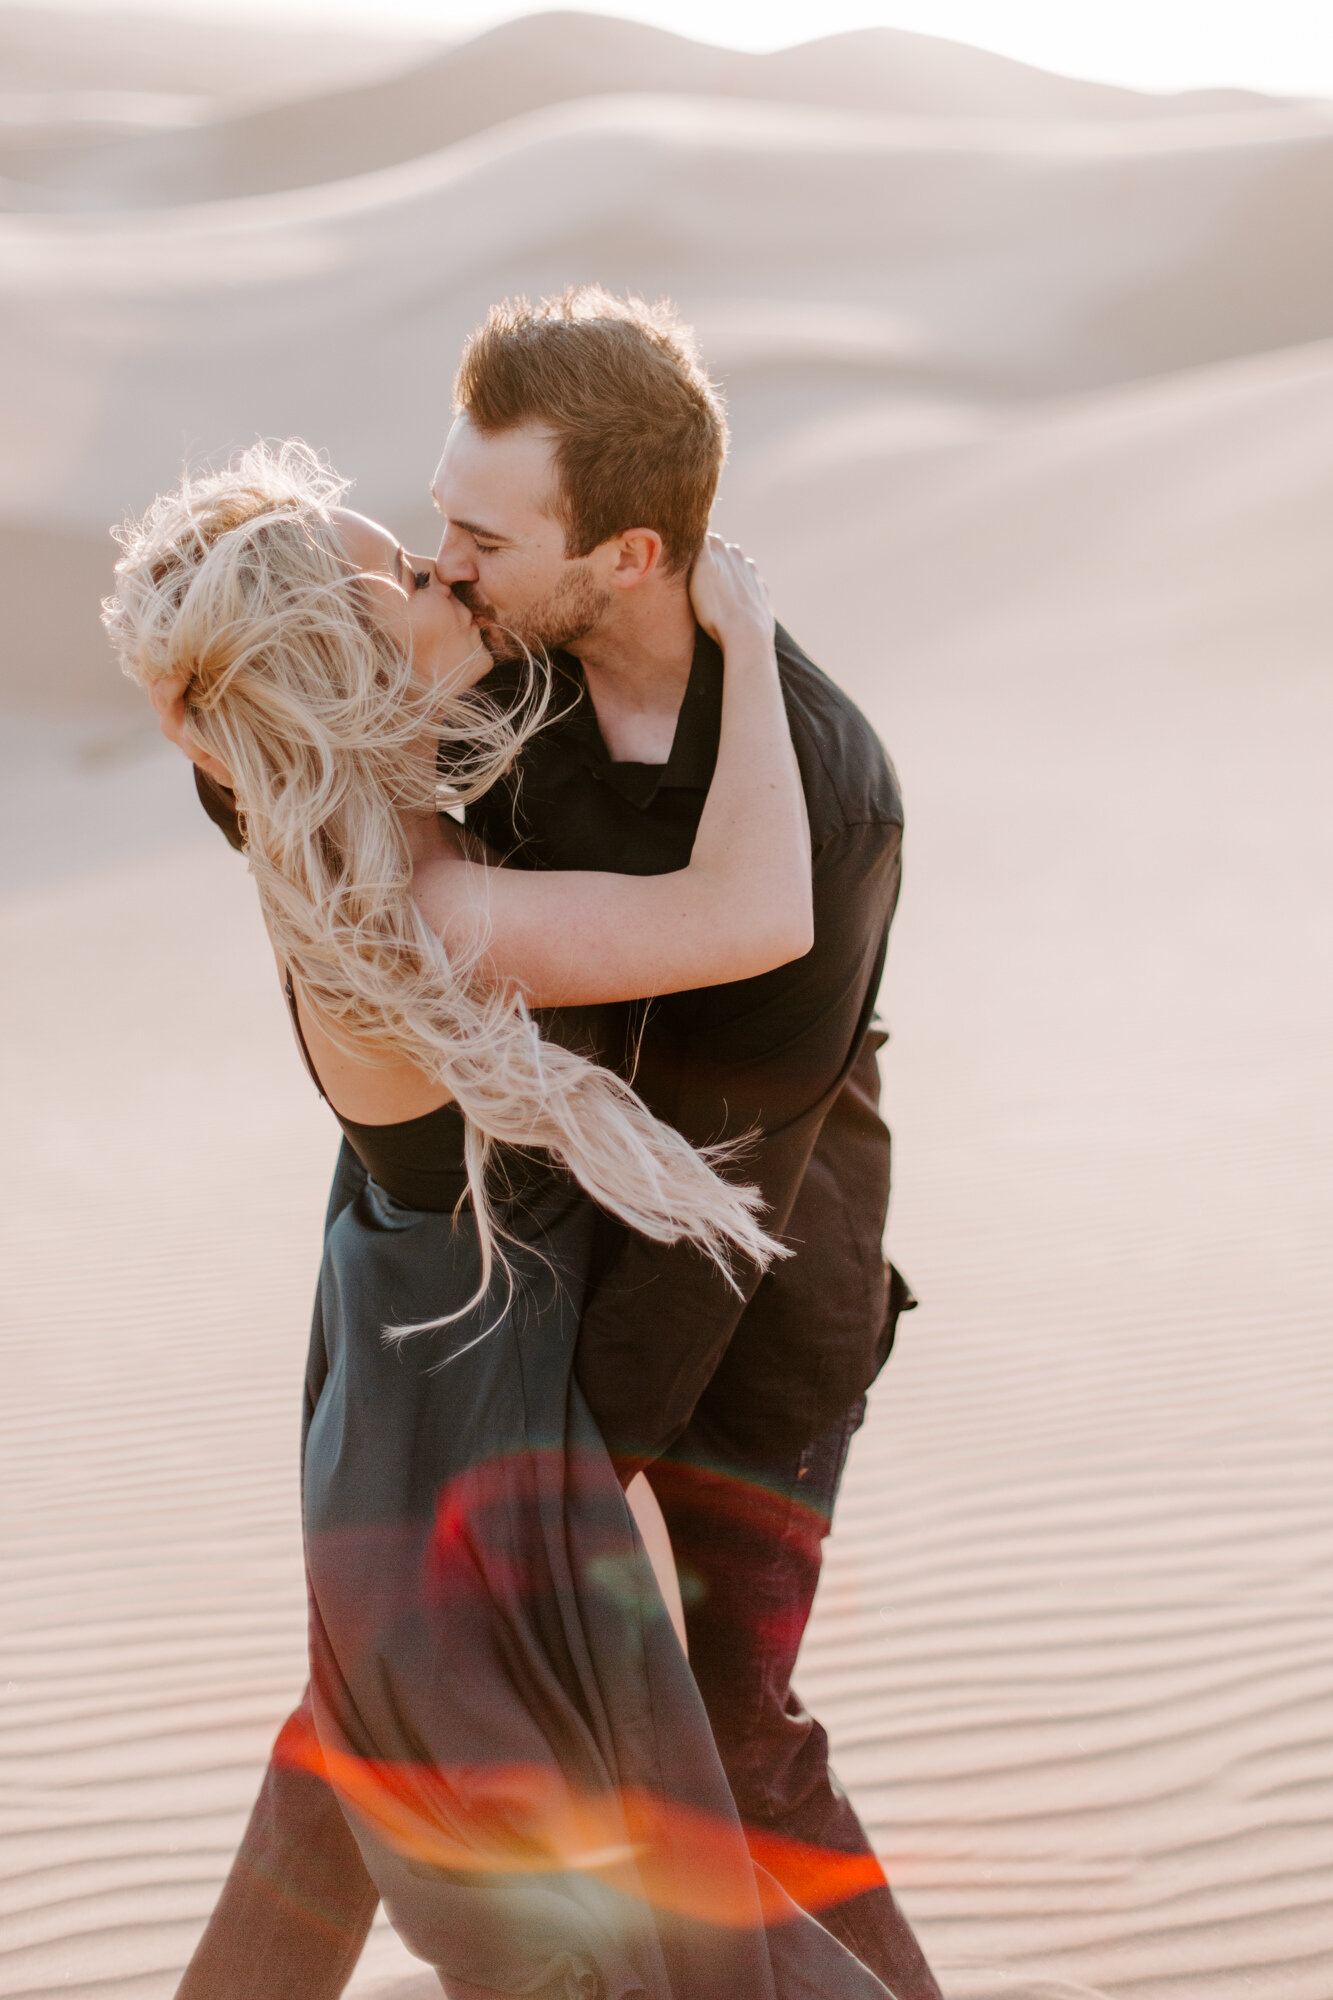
<point x="550" y="59"/>
<point x="63" y="53"/>
<point x="925" y="219"/>
<point x="880" y="254"/>
<point x="1032" y="389"/>
<point x="1124" y="250"/>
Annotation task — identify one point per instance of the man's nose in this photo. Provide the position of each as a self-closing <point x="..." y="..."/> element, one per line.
<point x="453" y="562"/>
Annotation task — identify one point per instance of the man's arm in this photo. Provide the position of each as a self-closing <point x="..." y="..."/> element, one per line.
<point x="658" y="1318"/>
<point x="220" y="805"/>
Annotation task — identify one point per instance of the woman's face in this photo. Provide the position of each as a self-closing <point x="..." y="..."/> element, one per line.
<point x="418" y="612"/>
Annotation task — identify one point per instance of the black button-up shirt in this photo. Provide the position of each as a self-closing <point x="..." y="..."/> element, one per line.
<point x="788" y="1056"/>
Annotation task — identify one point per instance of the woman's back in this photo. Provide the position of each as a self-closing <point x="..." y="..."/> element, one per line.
<point x="418" y="1157"/>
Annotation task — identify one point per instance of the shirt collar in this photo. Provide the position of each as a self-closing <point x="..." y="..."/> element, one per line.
<point x="693" y="748"/>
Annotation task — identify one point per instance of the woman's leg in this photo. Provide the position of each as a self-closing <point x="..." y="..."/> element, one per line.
<point x="295" y="1909"/>
<point x="657" y="1542"/>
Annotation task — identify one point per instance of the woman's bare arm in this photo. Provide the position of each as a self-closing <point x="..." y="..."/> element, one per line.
<point x="741" y="906"/>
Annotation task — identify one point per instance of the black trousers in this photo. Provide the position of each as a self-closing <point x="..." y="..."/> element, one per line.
<point x="747" y="1530"/>
<point x="748" y="1535"/>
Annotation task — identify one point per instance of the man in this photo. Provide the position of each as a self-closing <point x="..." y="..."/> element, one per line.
<point x="576" y="486"/>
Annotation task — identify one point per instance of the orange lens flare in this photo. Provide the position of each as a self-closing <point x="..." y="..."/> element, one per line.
<point x="524" y="1819"/>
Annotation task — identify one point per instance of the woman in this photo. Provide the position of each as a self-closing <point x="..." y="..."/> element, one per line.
<point x="499" y="1698"/>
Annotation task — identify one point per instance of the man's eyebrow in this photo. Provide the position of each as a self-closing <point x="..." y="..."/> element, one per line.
<point x="475" y="529"/>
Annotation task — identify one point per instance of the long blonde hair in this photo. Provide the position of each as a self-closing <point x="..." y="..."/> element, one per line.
<point x="236" y="584"/>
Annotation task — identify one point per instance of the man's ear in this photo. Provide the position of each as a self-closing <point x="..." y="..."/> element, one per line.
<point x="638" y="555"/>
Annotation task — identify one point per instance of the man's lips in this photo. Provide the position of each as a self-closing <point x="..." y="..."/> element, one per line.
<point x="479" y="614"/>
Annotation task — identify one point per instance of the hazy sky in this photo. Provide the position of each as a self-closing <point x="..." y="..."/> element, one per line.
<point x="1278" y="45"/>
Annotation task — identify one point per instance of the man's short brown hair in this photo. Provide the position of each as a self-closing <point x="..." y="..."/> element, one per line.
<point x="639" y="428"/>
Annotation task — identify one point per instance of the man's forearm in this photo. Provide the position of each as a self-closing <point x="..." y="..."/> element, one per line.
<point x="220" y="805"/>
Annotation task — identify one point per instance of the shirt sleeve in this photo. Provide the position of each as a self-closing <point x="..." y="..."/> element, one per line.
<point x="220" y="805"/>
<point x="770" y="1064"/>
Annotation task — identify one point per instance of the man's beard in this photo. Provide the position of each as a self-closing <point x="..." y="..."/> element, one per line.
<point x="564" y="616"/>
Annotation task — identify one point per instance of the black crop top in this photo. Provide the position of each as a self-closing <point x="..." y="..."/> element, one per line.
<point x="419" y="1161"/>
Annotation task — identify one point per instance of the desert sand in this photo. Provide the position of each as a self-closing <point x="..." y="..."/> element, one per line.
<point x="1032" y="392"/>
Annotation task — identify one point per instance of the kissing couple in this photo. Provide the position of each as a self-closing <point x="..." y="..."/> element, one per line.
<point x="578" y="876"/>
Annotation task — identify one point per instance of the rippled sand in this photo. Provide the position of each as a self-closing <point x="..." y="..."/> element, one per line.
<point x="1042" y="472"/>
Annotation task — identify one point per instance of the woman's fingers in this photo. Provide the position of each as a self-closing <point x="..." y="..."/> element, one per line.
<point x="168" y="699"/>
<point x="725" y="584"/>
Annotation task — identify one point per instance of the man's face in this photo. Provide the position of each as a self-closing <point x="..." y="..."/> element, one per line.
<point x="503" y="552"/>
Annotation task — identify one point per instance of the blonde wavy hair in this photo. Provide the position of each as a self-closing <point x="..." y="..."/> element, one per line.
<point x="236" y="583"/>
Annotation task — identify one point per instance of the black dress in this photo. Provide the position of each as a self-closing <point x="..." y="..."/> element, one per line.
<point x="499" y="1698"/>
